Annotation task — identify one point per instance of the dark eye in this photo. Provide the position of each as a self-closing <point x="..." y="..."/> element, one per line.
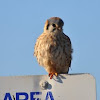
<point x="53" y="25"/>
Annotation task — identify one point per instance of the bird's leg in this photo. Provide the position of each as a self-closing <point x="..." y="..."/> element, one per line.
<point x="51" y="75"/>
<point x="53" y="72"/>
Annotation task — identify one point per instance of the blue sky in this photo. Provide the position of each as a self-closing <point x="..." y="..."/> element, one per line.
<point x="22" y="21"/>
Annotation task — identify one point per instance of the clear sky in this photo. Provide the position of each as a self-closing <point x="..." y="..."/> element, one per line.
<point x="22" y="21"/>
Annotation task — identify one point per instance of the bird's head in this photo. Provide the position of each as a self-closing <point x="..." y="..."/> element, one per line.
<point x="54" y="25"/>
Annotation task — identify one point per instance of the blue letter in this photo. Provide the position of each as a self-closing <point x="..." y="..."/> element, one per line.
<point x="7" y="96"/>
<point x="49" y="94"/>
<point x="34" y="93"/>
<point x="21" y="93"/>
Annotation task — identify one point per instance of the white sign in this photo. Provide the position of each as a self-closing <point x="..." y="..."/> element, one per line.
<point x="64" y="87"/>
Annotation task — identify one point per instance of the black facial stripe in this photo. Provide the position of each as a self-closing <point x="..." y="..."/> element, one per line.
<point x="53" y="29"/>
<point x="47" y="27"/>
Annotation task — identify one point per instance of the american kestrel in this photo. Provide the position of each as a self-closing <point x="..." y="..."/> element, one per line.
<point x="53" y="48"/>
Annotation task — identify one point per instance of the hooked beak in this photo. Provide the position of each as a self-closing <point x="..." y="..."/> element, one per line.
<point x="57" y="27"/>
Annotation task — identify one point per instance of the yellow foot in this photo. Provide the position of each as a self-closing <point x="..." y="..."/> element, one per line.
<point x="51" y="75"/>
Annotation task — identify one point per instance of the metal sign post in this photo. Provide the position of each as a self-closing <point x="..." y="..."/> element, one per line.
<point x="63" y="87"/>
